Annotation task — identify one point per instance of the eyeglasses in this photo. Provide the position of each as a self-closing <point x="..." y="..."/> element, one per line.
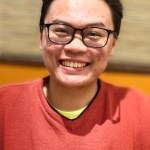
<point x="61" y="33"/>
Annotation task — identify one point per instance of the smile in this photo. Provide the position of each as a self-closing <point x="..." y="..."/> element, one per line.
<point x="73" y="64"/>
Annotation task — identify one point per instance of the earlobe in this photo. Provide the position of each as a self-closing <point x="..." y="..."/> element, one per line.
<point x="40" y="41"/>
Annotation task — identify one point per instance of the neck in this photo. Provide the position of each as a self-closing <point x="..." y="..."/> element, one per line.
<point x="69" y="98"/>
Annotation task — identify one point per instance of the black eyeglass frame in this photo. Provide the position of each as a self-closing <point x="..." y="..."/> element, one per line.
<point x="47" y="25"/>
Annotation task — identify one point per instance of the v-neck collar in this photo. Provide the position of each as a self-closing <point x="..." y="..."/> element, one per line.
<point x="92" y="111"/>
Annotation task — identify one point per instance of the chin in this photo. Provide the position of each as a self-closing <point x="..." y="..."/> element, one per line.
<point x="74" y="81"/>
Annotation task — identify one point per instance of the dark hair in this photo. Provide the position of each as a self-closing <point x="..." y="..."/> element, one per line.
<point x="117" y="13"/>
<point x="115" y="6"/>
<point x="44" y="9"/>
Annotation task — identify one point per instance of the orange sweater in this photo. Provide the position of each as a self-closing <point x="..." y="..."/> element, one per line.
<point x="117" y="119"/>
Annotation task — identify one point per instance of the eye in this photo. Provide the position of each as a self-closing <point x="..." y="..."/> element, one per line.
<point x="94" y="34"/>
<point x="60" y="31"/>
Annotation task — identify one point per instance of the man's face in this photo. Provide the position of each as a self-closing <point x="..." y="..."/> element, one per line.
<point x="76" y="64"/>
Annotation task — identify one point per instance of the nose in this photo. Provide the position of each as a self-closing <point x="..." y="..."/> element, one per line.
<point x="76" y="45"/>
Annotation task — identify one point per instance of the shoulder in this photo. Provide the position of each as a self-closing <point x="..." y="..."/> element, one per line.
<point x="133" y="110"/>
<point x="17" y="87"/>
<point x="14" y="92"/>
<point x="126" y="92"/>
<point x="131" y="100"/>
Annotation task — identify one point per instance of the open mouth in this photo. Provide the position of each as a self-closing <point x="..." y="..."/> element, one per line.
<point x="73" y="64"/>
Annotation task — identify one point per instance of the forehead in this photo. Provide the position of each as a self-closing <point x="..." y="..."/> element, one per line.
<point x="80" y="12"/>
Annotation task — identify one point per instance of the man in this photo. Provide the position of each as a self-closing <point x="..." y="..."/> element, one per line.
<point x="73" y="109"/>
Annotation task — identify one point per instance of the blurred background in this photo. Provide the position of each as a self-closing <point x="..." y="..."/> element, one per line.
<point x="21" y="58"/>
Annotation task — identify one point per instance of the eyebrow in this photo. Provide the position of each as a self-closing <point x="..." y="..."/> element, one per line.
<point x="95" y="24"/>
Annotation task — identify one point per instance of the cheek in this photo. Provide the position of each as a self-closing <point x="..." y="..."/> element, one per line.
<point x="101" y="59"/>
<point x="103" y="54"/>
<point x="51" y="50"/>
<point x="100" y="55"/>
<point x="51" y="56"/>
<point x="48" y="47"/>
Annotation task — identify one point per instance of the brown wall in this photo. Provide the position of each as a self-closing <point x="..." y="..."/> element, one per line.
<point x="10" y="73"/>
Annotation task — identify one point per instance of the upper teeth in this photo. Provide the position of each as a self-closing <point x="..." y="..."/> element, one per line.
<point x="73" y="64"/>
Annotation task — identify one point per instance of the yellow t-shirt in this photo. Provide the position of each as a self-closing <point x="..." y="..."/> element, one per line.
<point x="71" y="114"/>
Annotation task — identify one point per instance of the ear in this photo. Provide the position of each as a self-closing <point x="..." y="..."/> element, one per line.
<point x="113" y="48"/>
<point x="40" y="40"/>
